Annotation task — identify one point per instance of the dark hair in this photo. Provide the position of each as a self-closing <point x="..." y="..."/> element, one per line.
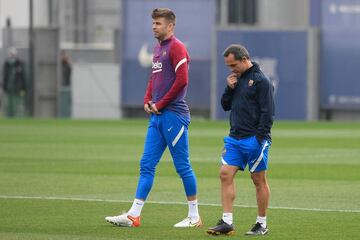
<point x="165" y="13"/>
<point x="238" y="51"/>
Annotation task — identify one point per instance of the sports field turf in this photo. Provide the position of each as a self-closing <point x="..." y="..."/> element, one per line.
<point x="59" y="179"/>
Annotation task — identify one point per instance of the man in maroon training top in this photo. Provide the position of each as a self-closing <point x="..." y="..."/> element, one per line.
<point x="168" y="123"/>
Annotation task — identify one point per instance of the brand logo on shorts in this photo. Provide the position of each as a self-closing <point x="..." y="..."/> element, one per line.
<point x="223" y="151"/>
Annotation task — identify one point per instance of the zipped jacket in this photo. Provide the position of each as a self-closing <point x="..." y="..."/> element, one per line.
<point x="252" y="106"/>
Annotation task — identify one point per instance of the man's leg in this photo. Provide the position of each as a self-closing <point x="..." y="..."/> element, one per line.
<point x="175" y="131"/>
<point x="183" y="167"/>
<point x="262" y="197"/>
<point x="180" y="154"/>
<point x="232" y="161"/>
<point x="153" y="149"/>
<point x="227" y="174"/>
<point x="262" y="192"/>
<point x="258" y="163"/>
<point x="10" y="111"/>
<point x="18" y="106"/>
<point x="225" y="224"/>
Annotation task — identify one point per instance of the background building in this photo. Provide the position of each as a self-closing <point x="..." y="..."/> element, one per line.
<point x="297" y="43"/>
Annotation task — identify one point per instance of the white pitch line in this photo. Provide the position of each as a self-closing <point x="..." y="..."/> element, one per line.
<point x="170" y="203"/>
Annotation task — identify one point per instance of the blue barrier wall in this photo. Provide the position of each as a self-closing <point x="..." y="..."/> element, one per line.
<point x="283" y="57"/>
<point x="340" y="54"/>
<point x="194" y="27"/>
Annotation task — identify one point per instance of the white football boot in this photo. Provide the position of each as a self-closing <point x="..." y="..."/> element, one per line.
<point x="189" y="222"/>
<point x="124" y="220"/>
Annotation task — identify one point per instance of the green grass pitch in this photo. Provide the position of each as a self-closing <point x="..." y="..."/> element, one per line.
<point x="60" y="178"/>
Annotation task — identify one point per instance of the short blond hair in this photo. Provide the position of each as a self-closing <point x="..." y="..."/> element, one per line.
<point x="166" y="13"/>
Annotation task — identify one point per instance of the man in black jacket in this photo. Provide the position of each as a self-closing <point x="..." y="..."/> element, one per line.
<point x="14" y="83"/>
<point x="249" y="97"/>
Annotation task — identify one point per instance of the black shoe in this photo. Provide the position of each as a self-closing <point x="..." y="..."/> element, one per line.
<point x="257" y="229"/>
<point x="221" y="228"/>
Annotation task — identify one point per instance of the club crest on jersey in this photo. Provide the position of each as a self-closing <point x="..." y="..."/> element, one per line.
<point x="251" y="82"/>
<point x="163" y="53"/>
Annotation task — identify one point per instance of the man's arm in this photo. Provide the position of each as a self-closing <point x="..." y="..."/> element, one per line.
<point x="266" y="101"/>
<point x="23" y="77"/>
<point x="148" y="92"/>
<point x="5" y="76"/>
<point x="179" y="59"/>
<point x="148" y="97"/>
<point x="226" y="98"/>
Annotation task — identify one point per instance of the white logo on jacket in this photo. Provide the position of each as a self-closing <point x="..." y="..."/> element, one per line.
<point x="157" y="67"/>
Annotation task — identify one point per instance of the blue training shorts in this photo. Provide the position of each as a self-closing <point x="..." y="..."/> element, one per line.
<point x="246" y="151"/>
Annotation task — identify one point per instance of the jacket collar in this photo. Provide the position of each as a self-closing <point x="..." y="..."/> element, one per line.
<point x="162" y="43"/>
<point x="254" y="67"/>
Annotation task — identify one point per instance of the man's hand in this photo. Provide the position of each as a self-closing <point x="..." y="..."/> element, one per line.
<point x="150" y="107"/>
<point x="147" y="108"/>
<point x="231" y="80"/>
<point x="154" y="109"/>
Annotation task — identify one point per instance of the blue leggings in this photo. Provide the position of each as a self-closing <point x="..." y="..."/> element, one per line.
<point x="166" y="130"/>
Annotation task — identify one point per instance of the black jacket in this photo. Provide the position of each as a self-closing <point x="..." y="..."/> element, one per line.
<point x="252" y="105"/>
<point x="14" y="76"/>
